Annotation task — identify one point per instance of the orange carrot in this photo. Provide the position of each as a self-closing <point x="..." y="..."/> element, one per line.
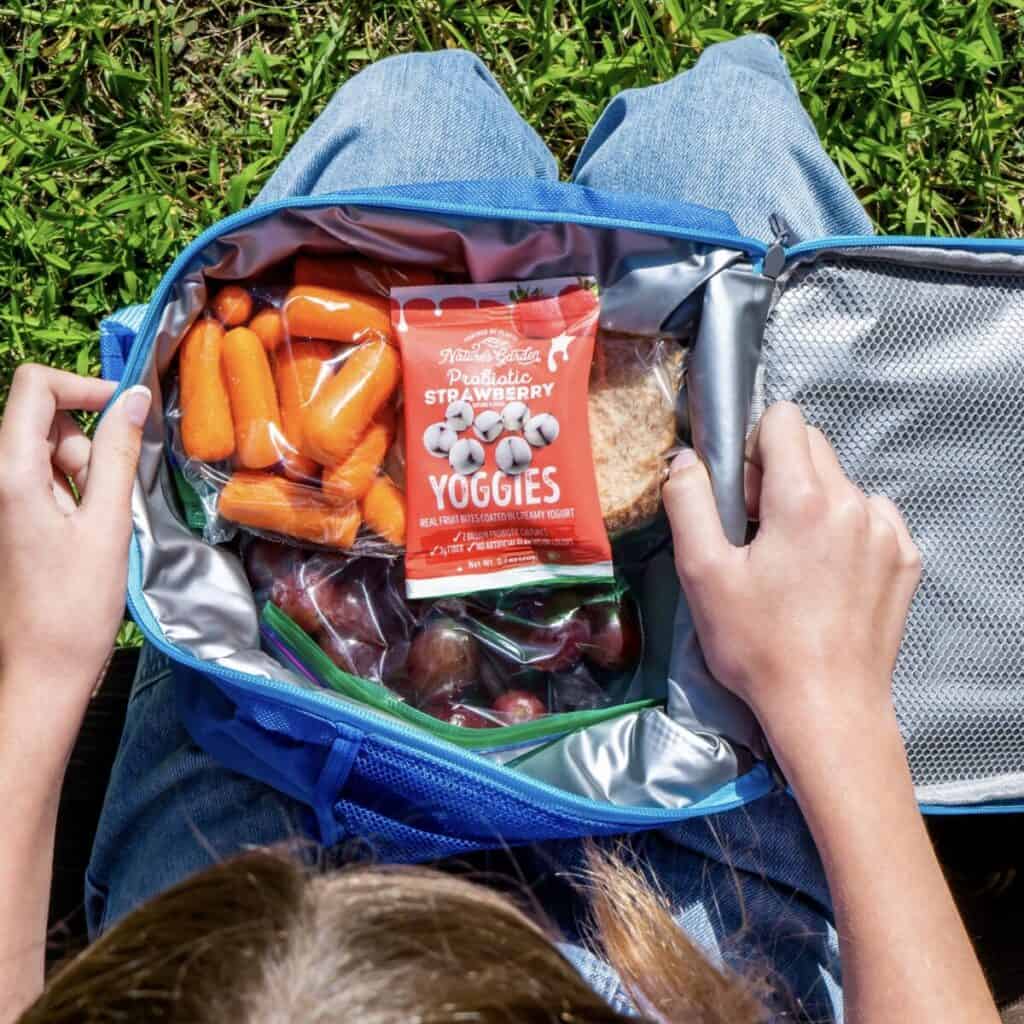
<point x="207" y="432"/>
<point x="341" y="411"/>
<point x="359" y="274"/>
<point x="298" y="467"/>
<point x="263" y="501"/>
<point x="312" y="312"/>
<point x="351" y="479"/>
<point x="383" y="510"/>
<point x="267" y="323"/>
<point x="254" y="405"/>
<point x="300" y="369"/>
<point x="232" y="305"/>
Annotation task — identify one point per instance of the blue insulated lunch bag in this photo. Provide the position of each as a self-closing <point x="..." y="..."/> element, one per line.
<point x="907" y="352"/>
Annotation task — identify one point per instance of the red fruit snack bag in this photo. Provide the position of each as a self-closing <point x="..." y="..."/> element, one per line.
<point x="500" y="480"/>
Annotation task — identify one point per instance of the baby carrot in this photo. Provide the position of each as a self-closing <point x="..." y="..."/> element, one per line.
<point x="207" y="432"/>
<point x="267" y="323"/>
<point x="351" y="479"/>
<point x="263" y="501"/>
<point x="232" y="305"/>
<point x="254" y="405"/>
<point x="359" y="274"/>
<point x="340" y="412"/>
<point x="313" y="312"/>
<point x="384" y="510"/>
<point x="300" y="368"/>
<point x="298" y="467"/>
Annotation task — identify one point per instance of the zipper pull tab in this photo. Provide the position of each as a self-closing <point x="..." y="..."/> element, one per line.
<point x="775" y="257"/>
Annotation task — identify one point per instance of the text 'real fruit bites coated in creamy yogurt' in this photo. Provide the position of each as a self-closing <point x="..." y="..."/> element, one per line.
<point x="500" y="480"/>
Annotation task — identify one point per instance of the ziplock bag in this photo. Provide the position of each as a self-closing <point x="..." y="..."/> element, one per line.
<point x="492" y="670"/>
<point x="666" y="271"/>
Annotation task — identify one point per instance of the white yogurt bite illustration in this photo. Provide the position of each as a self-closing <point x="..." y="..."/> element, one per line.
<point x="514" y="417"/>
<point x="438" y="439"/>
<point x="488" y="426"/>
<point x="459" y="416"/>
<point x="466" y="456"/>
<point x="513" y="455"/>
<point x="541" y="430"/>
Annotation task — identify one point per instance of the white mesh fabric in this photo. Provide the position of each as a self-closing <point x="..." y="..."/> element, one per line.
<point x="917" y="376"/>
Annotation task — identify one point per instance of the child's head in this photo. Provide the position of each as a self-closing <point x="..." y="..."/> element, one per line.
<point x="257" y="939"/>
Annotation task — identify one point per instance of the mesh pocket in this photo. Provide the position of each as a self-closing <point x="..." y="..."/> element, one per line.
<point x="917" y="377"/>
<point x="407" y="796"/>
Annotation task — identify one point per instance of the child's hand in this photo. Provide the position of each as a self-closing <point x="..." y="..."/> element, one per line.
<point x="64" y="564"/>
<point x="805" y="622"/>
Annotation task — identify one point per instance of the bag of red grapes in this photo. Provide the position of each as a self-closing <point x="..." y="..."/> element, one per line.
<point x="537" y="660"/>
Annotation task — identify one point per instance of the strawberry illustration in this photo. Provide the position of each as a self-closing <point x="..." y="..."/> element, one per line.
<point x="535" y="314"/>
<point x="458" y="302"/>
<point x="578" y="301"/>
<point x="420" y="311"/>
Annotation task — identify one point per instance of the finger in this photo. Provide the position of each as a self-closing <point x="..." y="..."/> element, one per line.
<point x="63" y="495"/>
<point x="697" y="534"/>
<point x="114" y="460"/>
<point x="902" y="586"/>
<point x="826" y="465"/>
<point x="69" y="449"/>
<point x="780" y="448"/>
<point x="752" y="489"/>
<point x="910" y="556"/>
<point x="37" y="393"/>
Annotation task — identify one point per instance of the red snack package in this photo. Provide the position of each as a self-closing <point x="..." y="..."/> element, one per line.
<point x="499" y="474"/>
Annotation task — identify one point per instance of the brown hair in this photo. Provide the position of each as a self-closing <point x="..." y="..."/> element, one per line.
<point x="258" y="940"/>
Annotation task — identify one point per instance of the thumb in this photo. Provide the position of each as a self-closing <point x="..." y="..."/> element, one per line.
<point x="697" y="534"/>
<point x="114" y="459"/>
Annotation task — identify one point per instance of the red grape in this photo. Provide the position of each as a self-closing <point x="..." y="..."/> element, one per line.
<point x="560" y="645"/>
<point x="518" y="706"/>
<point x="353" y="656"/>
<point x="348" y="610"/>
<point x="289" y="594"/>
<point x="264" y="561"/>
<point x="443" y="660"/>
<point x="615" y="635"/>
<point x="455" y="713"/>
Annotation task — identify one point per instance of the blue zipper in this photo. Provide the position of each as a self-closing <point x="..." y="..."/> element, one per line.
<point x="916" y="241"/>
<point x="756" y="783"/>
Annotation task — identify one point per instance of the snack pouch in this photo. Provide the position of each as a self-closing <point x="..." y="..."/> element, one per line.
<point x="284" y="415"/>
<point x="500" y="478"/>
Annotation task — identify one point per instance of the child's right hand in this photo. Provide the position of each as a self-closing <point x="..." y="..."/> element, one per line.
<point x="805" y="622"/>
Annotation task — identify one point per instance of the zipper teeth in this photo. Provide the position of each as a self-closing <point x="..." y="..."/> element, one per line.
<point x="542" y="793"/>
<point x="918" y="241"/>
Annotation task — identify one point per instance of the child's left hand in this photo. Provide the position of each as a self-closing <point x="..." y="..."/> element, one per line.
<point x="64" y="561"/>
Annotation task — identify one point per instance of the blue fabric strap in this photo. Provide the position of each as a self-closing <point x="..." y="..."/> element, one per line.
<point x="117" y="333"/>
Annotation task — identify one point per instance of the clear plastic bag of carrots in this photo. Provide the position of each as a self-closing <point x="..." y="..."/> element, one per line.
<point x="286" y="420"/>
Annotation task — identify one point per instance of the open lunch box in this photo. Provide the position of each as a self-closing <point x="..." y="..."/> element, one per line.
<point x="907" y="352"/>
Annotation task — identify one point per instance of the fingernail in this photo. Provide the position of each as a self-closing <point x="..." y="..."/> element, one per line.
<point x="136" y="402"/>
<point x="687" y="457"/>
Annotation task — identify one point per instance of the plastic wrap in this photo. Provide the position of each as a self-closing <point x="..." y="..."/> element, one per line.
<point x="501" y="491"/>
<point x="286" y="415"/>
<point x="476" y="662"/>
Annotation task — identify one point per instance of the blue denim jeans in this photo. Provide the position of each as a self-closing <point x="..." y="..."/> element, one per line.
<point x="747" y="886"/>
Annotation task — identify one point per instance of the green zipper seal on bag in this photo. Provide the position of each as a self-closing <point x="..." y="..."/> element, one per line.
<point x="195" y="514"/>
<point x="309" y="652"/>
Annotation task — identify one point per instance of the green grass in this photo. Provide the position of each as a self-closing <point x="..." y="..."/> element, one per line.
<point x="126" y="126"/>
